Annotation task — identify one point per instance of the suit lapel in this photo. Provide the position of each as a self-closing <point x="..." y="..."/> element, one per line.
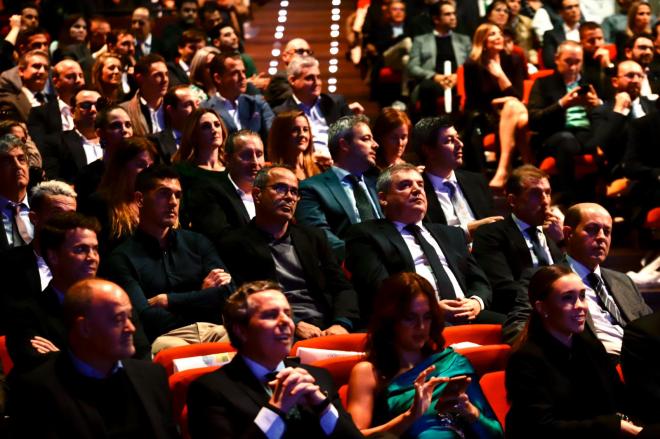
<point x="234" y="198"/>
<point x="518" y="242"/>
<point x="306" y="256"/>
<point x="469" y="192"/>
<point x="240" y="374"/>
<point x="370" y="181"/>
<point x="74" y="143"/>
<point x="216" y="104"/>
<point x="434" y="212"/>
<point x="336" y="189"/>
<point x="394" y="237"/>
<point x="244" y="113"/>
<point x="618" y="291"/>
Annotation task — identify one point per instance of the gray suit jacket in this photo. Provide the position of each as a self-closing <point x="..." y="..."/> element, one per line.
<point x="423" y="54"/>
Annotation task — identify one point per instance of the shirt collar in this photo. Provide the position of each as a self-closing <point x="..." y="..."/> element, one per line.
<point x="439" y="182"/>
<point x="299" y="102"/>
<point x="260" y="371"/>
<point x="88" y="371"/>
<point x="342" y="173"/>
<point x="439" y="35"/>
<point x="581" y="269"/>
<point x="4" y="201"/>
<point x="152" y="243"/>
<point x="522" y="225"/>
<point x="400" y="226"/>
<point x="224" y="100"/>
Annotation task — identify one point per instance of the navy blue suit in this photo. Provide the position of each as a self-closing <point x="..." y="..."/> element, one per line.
<point x="253" y="112"/>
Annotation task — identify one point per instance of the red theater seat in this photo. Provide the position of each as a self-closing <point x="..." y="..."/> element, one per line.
<point x="166" y="357"/>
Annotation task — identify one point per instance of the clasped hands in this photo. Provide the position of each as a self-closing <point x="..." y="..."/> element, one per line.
<point x="216" y="278"/>
<point x="445" y="81"/>
<point x="453" y="400"/>
<point x="294" y="385"/>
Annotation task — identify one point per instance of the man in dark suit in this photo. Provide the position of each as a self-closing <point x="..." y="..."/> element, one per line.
<point x="640" y="49"/>
<point x="298" y="257"/>
<point x="237" y="109"/>
<point x="24" y="270"/>
<point x="172" y="33"/>
<point x="56" y="115"/>
<point x="612" y="120"/>
<point x="279" y="89"/>
<point x="95" y="389"/>
<point x="191" y="41"/>
<point x="597" y="68"/>
<point x="429" y="53"/>
<point x="66" y="153"/>
<point x="253" y="395"/>
<point x="612" y="297"/>
<point x="640" y="356"/>
<point x="559" y="111"/>
<point x="526" y="238"/>
<point x="568" y="29"/>
<point x="14" y="206"/>
<point x="455" y="197"/>
<point x="33" y="67"/>
<point x="342" y="195"/>
<point x="400" y="242"/>
<point x="226" y="203"/>
<point x="321" y="109"/>
<point x="179" y="102"/>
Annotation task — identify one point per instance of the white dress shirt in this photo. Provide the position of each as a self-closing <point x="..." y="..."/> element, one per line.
<point x="232" y="108"/>
<point x="607" y="330"/>
<point x="523" y="226"/>
<point x="157" y="117"/>
<point x="45" y="276"/>
<point x="93" y="150"/>
<point x="246" y="198"/>
<point x="444" y="197"/>
<point x="8" y="215"/>
<point x="65" y="115"/>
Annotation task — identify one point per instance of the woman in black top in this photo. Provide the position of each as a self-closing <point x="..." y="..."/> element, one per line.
<point x="494" y="87"/>
<point x="560" y="381"/>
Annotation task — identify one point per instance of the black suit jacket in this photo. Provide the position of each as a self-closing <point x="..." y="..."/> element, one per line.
<point x="375" y="250"/>
<point x="551" y="40"/>
<point x="224" y="403"/>
<point x="63" y="155"/>
<point x="165" y="144"/>
<point x="177" y="74"/>
<point x="88" y="180"/>
<point x="214" y="207"/>
<point x="249" y="258"/>
<point x="332" y="107"/>
<point x="642" y="158"/>
<point x="64" y="412"/>
<point x="501" y="250"/>
<point x="474" y="188"/>
<point x="20" y="277"/>
<point x="640" y="357"/>
<point x="44" y="120"/>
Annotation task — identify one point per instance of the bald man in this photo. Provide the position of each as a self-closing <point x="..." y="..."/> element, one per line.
<point x="56" y="115"/>
<point x="612" y="297"/>
<point x="279" y="89"/>
<point x="94" y="389"/>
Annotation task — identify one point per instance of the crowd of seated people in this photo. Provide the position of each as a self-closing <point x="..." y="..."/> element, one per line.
<point x="157" y="191"/>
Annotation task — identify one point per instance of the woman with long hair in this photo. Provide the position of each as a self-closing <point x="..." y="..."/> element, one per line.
<point x="493" y="88"/>
<point x="560" y="381"/>
<point x="106" y="76"/>
<point x="202" y="141"/>
<point x="391" y="130"/>
<point x="114" y="202"/>
<point x="639" y="19"/>
<point x="411" y="385"/>
<point x="200" y="75"/>
<point x="290" y="143"/>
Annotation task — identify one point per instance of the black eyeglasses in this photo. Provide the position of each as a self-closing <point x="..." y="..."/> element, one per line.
<point x="308" y="52"/>
<point x="87" y="105"/>
<point x="283" y="189"/>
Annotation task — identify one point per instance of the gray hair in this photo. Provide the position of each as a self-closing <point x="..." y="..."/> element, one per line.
<point x="384" y="181"/>
<point x="298" y="63"/>
<point x="9" y="142"/>
<point x="49" y="188"/>
<point x="343" y="129"/>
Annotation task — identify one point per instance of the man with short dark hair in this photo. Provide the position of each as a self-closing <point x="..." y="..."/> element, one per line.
<point x="226" y="203"/>
<point x="253" y="396"/>
<point x="188" y="13"/>
<point x="14" y="206"/>
<point x="175" y="279"/>
<point x="179" y="102"/>
<point x="237" y="109"/>
<point x="455" y="197"/>
<point x="567" y="29"/>
<point x="94" y="388"/>
<point x="526" y="238"/>
<point x="28" y="92"/>
<point x="640" y="49"/>
<point x="597" y="67"/>
<point x="190" y="42"/>
<point x="400" y="242"/>
<point x="141" y="27"/>
<point x="146" y="107"/>
<point x="342" y="195"/>
<point x="298" y="257"/>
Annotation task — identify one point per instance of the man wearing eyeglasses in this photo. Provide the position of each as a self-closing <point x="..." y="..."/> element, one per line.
<point x="279" y="89"/>
<point x="65" y="153"/>
<point x="299" y="258"/>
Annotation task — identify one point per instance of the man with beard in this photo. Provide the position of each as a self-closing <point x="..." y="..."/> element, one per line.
<point x="640" y="49"/>
<point x="261" y="393"/>
<point x="94" y="389"/>
<point x="299" y="258"/>
<point x="342" y="195"/>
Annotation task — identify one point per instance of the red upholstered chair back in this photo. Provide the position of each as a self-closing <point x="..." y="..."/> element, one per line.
<point x="339" y="368"/>
<point x="480" y="334"/>
<point x="487" y="358"/>
<point x="179" y="383"/>
<point x="5" y="359"/>
<point x="344" y="342"/>
<point x="492" y="384"/>
<point x="166" y="357"/>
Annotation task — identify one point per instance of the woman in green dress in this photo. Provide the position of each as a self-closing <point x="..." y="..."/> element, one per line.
<point x="411" y="385"/>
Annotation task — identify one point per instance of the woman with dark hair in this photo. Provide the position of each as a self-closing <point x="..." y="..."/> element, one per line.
<point x="498" y="13"/>
<point x="559" y="380"/>
<point x="202" y="143"/>
<point x="493" y="89"/>
<point x="106" y="76"/>
<point x="290" y="143"/>
<point x="114" y="203"/>
<point x="410" y="385"/>
<point x="391" y="130"/>
<point x="638" y="22"/>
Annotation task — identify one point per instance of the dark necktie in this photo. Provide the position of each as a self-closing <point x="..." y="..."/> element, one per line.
<point x="19" y="230"/>
<point x="362" y="199"/>
<point x="537" y="248"/>
<point x="445" y="288"/>
<point x="606" y="301"/>
<point x="39" y="96"/>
